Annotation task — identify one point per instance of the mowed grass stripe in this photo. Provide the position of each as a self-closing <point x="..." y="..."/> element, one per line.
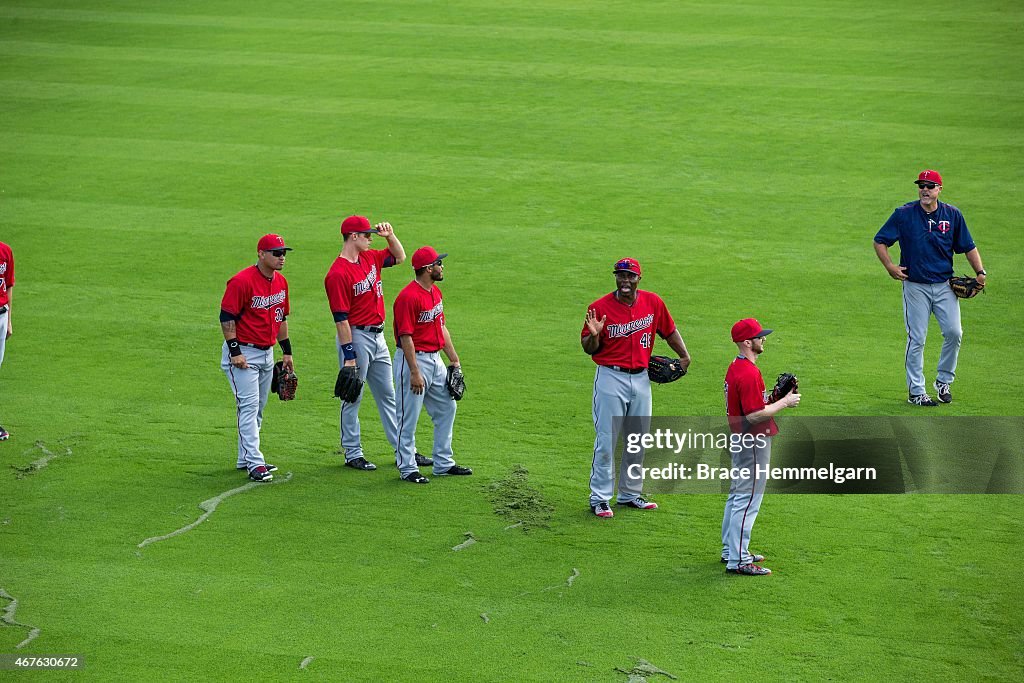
<point x="743" y="75"/>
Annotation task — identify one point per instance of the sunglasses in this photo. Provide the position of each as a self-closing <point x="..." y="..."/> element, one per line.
<point x="279" y="252"/>
<point x="930" y="186"/>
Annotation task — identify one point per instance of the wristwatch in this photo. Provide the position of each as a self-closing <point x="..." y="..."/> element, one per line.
<point x="982" y="272"/>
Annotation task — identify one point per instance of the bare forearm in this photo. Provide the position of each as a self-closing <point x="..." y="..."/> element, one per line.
<point x="344" y="332"/>
<point x="974" y="258"/>
<point x="396" y="248"/>
<point x="676" y="343"/>
<point x="591" y="344"/>
<point x="449" y="348"/>
<point x="228" y="328"/>
<point x="409" y="351"/>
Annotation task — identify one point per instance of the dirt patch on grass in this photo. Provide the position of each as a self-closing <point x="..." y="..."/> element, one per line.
<point x="523" y="505"/>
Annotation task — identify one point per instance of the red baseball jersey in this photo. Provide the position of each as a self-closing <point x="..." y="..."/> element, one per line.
<point x="356" y="288"/>
<point x="419" y="313"/>
<point x="628" y="335"/>
<point x="6" y="272"/>
<point x="744" y="394"/>
<point x="260" y="303"/>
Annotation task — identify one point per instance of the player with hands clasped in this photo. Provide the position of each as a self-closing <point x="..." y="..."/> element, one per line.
<point x="618" y="333"/>
<point x="421" y="378"/>
<point x="929" y="233"/>
<point x="751" y="414"/>
<point x="6" y="297"/>
<point x="254" y="317"/>
<point x="355" y="294"/>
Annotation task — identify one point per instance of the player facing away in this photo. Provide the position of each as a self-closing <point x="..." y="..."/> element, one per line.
<point x="6" y="297"/>
<point x="254" y="317"/>
<point x="748" y="415"/>
<point x="618" y="333"/>
<point x="929" y="233"/>
<point x="355" y="294"/>
<point x="421" y="333"/>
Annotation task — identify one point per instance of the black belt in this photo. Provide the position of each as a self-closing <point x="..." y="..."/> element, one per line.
<point x="429" y="352"/>
<point x="256" y="346"/>
<point x="370" y="328"/>
<point x="3" y="309"/>
<point x="628" y="371"/>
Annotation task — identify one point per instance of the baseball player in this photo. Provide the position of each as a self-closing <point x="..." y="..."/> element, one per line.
<point x="420" y="374"/>
<point x="356" y="297"/>
<point x="6" y="296"/>
<point x="751" y="417"/>
<point x="929" y="233"/>
<point x="618" y="334"/>
<point x="253" y="317"/>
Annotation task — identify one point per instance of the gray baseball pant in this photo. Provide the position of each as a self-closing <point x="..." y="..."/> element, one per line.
<point x="251" y="388"/>
<point x="439" y="404"/>
<point x="744" y="502"/>
<point x="374" y="363"/>
<point x="617" y="395"/>
<point x="919" y="301"/>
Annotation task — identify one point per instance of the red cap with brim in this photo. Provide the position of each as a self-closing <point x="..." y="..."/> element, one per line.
<point x="271" y="242"/>
<point x="630" y="265"/>
<point x="354" y="224"/>
<point x="748" y="328"/>
<point x="929" y="176"/>
<point x="424" y="256"/>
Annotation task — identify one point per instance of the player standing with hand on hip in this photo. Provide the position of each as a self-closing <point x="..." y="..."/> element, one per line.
<point x="929" y="233"/>
<point x="356" y="297"/>
<point x="420" y="375"/>
<point x="619" y="334"/>
<point x="751" y="417"/>
<point x="6" y="297"/>
<point x="253" y="317"/>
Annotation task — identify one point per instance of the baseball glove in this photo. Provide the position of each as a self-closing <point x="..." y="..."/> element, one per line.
<point x="662" y="369"/>
<point x="348" y="385"/>
<point x="965" y="287"/>
<point x="456" y="382"/>
<point x="284" y="384"/>
<point x="787" y="383"/>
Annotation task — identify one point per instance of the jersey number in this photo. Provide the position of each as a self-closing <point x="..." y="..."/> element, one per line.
<point x="278" y="314"/>
<point x="646" y="339"/>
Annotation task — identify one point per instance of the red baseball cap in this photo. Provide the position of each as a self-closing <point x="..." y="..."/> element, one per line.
<point x="928" y="176"/>
<point x="748" y="328"/>
<point x="424" y="256"/>
<point x="356" y="224"/>
<point x="630" y="265"/>
<point x="271" y="242"/>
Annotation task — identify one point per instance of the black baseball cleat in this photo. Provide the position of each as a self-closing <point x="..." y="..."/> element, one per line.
<point x="943" y="393"/>
<point x="423" y="461"/>
<point x="757" y="558"/>
<point x="749" y="570"/>
<point x="454" y="470"/>
<point x="922" y="400"/>
<point x="270" y="468"/>
<point x="260" y="474"/>
<point x="640" y="503"/>
<point x="415" y="478"/>
<point x="360" y="463"/>
<point x="4" y="434"/>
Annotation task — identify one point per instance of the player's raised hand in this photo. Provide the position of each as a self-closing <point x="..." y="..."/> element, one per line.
<point x="595" y="326"/>
<point x="384" y="229"/>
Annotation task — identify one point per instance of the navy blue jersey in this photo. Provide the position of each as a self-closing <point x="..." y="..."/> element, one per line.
<point x="927" y="241"/>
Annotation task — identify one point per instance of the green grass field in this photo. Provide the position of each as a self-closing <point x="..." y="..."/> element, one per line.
<point x="744" y="153"/>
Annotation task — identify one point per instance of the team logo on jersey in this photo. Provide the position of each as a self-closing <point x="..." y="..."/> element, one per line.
<point x="431" y="315"/>
<point x="366" y="284"/>
<point x="268" y="302"/>
<point x="944" y="227"/>
<point x="626" y="329"/>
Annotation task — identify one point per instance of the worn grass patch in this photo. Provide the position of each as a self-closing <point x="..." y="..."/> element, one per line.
<point x="523" y="505"/>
